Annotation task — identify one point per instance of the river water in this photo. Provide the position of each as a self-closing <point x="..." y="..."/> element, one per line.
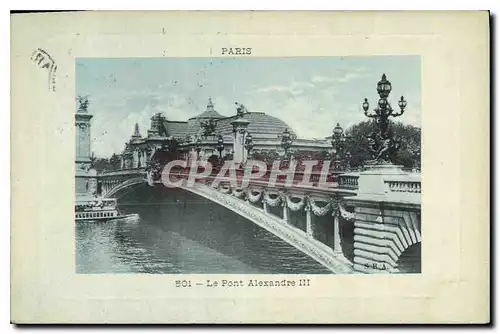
<point x="182" y="233"/>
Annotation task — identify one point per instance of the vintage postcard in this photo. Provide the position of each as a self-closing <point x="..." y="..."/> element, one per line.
<point x="250" y="167"/>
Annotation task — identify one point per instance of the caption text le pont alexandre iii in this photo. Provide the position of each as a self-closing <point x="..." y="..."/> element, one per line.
<point x="240" y="283"/>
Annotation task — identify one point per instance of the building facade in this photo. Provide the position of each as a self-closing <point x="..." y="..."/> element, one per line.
<point x="212" y="134"/>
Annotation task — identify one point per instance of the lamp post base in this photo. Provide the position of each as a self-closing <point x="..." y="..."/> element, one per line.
<point x="385" y="167"/>
<point x="371" y="179"/>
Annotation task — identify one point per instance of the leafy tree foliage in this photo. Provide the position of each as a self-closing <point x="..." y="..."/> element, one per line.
<point x="102" y="164"/>
<point x="115" y="161"/>
<point x="408" y="154"/>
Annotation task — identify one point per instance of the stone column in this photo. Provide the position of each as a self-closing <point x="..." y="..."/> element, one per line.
<point x="239" y="127"/>
<point x="89" y="139"/>
<point x="245" y="152"/>
<point x="135" y="159"/>
<point x="264" y="205"/>
<point x="238" y="147"/>
<point x="285" y="211"/>
<point x="337" y="246"/>
<point x="309" y="226"/>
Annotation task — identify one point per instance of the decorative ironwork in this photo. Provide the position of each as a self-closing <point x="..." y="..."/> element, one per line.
<point x="382" y="144"/>
<point x="287" y="139"/>
<point x="197" y="147"/>
<point x="249" y="142"/>
<point x="339" y="153"/>
<point x="348" y="157"/>
<point x="274" y="224"/>
<point x="220" y="145"/>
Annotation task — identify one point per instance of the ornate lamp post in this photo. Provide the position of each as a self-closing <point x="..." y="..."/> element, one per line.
<point x="338" y="147"/>
<point x="249" y="143"/>
<point x="348" y="157"/>
<point x="416" y="156"/>
<point x="197" y="147"/>
<point x="287" y="139"/>
<point x="338" y="141"/>
<point x="384" y="145"/>
<point x="220" y="145"/>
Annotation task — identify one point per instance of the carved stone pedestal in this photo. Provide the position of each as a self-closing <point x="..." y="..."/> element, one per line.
<point x="387" y="217"/>
<point x="371" y="181"/>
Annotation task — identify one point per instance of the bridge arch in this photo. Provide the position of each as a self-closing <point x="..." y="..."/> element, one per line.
<point x="383" y="237"/>
<point x="234" y="201"/>
<point x="409" y="260"/>
<point x="286" y="232"/>
<point x="124" y="185"/>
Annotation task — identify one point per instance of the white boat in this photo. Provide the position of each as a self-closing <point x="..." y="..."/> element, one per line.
<point x="99" y="210"/>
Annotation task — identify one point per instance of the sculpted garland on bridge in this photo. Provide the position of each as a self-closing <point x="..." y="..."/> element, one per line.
<point x="255" y="165"/>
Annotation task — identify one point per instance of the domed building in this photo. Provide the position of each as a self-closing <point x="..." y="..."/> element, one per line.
<point x="211" y="133"/>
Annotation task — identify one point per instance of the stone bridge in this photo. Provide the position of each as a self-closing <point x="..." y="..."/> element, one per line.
<point x="382" y="204"/>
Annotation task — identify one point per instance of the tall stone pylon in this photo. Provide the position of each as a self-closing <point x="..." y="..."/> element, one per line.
<point x="84" y="176"/>
<point x="240" y="126"/>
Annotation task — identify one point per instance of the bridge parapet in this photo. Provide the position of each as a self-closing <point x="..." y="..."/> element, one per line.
<point x="393" y="185"/>
<point x="409" y="184"/>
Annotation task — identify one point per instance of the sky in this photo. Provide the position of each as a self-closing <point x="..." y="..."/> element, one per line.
<point x="310" y="94"/>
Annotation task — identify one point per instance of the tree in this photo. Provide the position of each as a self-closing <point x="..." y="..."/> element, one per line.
<point x="408" y="154"/>
<point x="100" y="164"/>
<point x="115" y="162"/>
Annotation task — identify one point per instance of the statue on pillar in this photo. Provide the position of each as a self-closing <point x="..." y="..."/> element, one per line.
<point x="240" y="109"/>
<point x="83" y="103"/>
<point x="382" y="148"/>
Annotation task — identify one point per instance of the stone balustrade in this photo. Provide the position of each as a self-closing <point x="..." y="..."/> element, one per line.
<point x="403" y="186"/>
<point x="400" y="184"/>
<point x="348" y="181"/>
